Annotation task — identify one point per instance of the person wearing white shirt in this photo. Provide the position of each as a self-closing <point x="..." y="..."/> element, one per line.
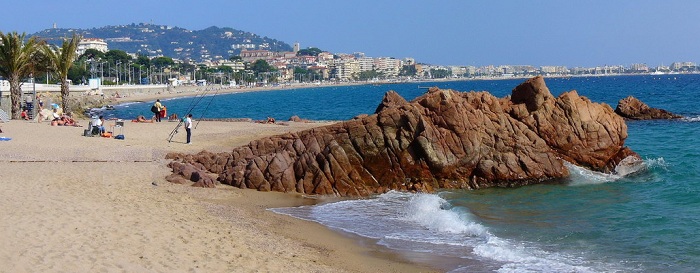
<point x="55" y="115"/>
<point x="188" y="127"/>
<point x="99" y="123"/>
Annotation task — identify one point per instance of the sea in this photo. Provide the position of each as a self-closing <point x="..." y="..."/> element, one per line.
<point x="648" y="221"/>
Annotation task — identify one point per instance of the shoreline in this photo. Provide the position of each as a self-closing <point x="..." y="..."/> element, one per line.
<point x="86" y="204"/>
<point x="191" y="91"/>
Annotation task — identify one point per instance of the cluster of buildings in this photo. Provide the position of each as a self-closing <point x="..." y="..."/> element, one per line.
<point x="340" y="67"/>
<point x="347" y="67"/>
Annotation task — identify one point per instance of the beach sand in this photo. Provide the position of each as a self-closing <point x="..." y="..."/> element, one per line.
<point x="70" y="203"/>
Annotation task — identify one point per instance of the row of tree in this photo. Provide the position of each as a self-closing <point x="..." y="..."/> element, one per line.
<point x="21" y="58"/>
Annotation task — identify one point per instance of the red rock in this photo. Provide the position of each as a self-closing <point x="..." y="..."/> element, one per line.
<point x="632" y="108"/>
<point x="442" y="139"/>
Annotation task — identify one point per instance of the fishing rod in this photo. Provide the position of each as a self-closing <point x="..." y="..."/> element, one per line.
<point x="195" y="101"/>
<point x="206" y="108"/>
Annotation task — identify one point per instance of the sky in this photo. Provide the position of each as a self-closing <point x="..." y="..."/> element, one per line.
<point x="583" y="33"/>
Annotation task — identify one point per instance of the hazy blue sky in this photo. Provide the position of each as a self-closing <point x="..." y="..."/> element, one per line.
<point x="448" y="32"/>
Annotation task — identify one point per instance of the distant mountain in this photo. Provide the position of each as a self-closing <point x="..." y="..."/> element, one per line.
<point x="212" y="43"/>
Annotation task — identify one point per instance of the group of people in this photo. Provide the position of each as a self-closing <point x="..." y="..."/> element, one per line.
<point x="29" y="104"/>
<point x="160" y="111"/>
<point x="63" y="120"/>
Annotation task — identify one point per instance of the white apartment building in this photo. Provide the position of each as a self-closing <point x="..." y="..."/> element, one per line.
<point x="548" y="69"/>
<point x="344" y="70"/>
<point x="639" y="68"/>
<point x="91" y="43"/>
<point x="389" y="66"/>
<point x="458" y="71"/>
<point x="680" y="65"/>
<point x="366" y="63"/>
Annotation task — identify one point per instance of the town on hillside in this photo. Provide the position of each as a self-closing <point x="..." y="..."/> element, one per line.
<point x="256" y="65"/>
<point x="147" y="54"/>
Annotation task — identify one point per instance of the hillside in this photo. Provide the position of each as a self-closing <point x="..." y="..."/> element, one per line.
<point x="212" y="43"/>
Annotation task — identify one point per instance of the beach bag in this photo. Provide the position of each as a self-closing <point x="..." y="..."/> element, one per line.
<point x="106" y="134"/>
<point x="119" y="137"/>
<point x="154" y="109"/>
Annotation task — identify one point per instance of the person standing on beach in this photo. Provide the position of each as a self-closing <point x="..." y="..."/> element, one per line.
<point x="156" y="109"/>
<point x="188" y="127"/>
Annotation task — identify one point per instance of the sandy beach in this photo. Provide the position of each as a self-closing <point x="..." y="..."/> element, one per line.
<point x="71" y="203"/>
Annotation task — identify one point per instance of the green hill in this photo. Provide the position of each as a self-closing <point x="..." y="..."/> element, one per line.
<point x="212" y="43"/>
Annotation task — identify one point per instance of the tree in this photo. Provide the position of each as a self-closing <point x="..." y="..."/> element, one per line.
<point x="92" y="54"/>
<point x="305" y="75"/>
<point x="162" y="61"/>
<point x="261" y="65"/>
<point x="115" y="55"/>
<point x="368" y="75"/>
<point x="16" y="57"/>
<point x="78" y="74"/>
<point x="408" y="70"/>
<point x="439" y="73"/>
<point x="311" y="51"/>
<point x="143" y="60"/>
<point x="61" y="60"/>
<point x="235" y="58"/>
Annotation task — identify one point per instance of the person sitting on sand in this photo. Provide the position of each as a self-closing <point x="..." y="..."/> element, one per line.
<point x="58" y="122"/>
<point x="173" y="117"/>
<point x="141" y="118"/>
<point x="270" y="120"/>
<point x="56" y="116"/>
<point x="69" y="121"/>
<point x="24" y="115"/>
<point x="99" y="123"/>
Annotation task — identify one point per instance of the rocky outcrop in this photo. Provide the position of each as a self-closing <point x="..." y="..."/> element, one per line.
<point x="442" y="139"/>
<point x="632" y="108"/>
<point x="190" y="173"/>
<point x="298" y="119"/>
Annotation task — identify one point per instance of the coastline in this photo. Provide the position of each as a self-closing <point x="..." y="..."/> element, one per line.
<point x="190" y="91"/>
<point x="85" y="204"/>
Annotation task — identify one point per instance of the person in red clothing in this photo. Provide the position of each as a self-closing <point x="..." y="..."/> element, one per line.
<point x="163" y="112"/>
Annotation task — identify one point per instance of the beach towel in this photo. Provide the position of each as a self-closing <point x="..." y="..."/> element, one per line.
<point x="5" y="138"/>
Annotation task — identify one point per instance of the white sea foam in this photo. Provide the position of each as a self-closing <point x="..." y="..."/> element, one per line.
<point x="428" y="210"/>
<point x="433" y="213"/>
<point x="582" y="176"/>
<point x="629" y="166"/>
<point x="691" y="119"/>
<point x="426" y="223"/>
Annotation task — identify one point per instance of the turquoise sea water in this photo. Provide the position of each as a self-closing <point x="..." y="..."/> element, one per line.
<point x="646" y="222"/>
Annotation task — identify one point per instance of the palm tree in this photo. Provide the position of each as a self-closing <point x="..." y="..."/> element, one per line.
<point x="16" y="57"/>
<point x="61" y="60"/>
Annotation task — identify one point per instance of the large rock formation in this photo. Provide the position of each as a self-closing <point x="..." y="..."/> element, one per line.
<point x="632" y="108"/>
<point x="442" y="139"/>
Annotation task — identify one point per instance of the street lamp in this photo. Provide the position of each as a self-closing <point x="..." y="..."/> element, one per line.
<point x="118" y="65"/>
<point x="102" y="68"/>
